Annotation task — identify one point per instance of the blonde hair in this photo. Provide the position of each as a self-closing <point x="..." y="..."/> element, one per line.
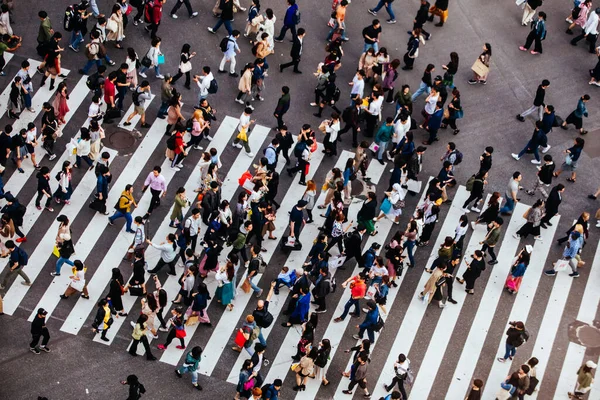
<point x="198" y="115"/>
<point x="579" y="228"/>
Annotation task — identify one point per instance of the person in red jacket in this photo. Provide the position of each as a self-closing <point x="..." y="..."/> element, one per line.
<point x="180" y="152"/>
<point x="153" y="13"/>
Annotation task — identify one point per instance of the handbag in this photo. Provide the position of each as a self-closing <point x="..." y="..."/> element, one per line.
<point x="458" y="114"/>
<point x="180" y="333"/>
<point x="386" y="206"/>
<point x="136" y="290"/>
<point x="246" y="287"/>
<point x="240" y="338"/>
<point x="561" y="265"/>
<point x="414" y="186"/>
<point x="249" y="384"/>
<point x="323" y="125"/>
<point x="112" y="25"/>
<point x="78" y="285"/>
<point x="291" y="241"/>
<point x="185" y="67"/>
<point x="480" y="68"/>
<point x="193" y="320"/>
<point x="374" y="147"/>
<point x="248" y="185"/>
<point x="533" y="382"/>
<point x="446" y="113"/>
<point x="161" y="59"/>
<point x="55" y="251"/>
<point x="568" y="160"/>
<point x="294" y="366"/>
<point x="371" y="292"/>
<point x="243" y="136"/>
<point x="146" y="61"/>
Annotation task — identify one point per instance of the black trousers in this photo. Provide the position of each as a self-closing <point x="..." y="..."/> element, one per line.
<point x="180" y="74"/>
<point x="172" y="336"/>
<point x="548" y="217"/>
<point x="134" y="346"/>
<point x="533" y="37"/>
<point x="490" y="251"/>
<point x="371" y="124"/>
<point x="321" y="303"/>
<point x="474" y="196"/>
<point x="449" y="283"/>
<point x="285" y="152"/>
<point x="35" y="338"/>
<point x="300" y="167"/>
<point x="354" y="133"/>
<point x="155" y="201"/>
<point x="140" y="12"/>
<point x="400" y="382"/>
<point x="590" y="38"/>
<point x="293" y="63"/>
<point x="242" y="253"/>
<point x="39" y="198"/>
<point x="178" y="4"/>
<point x="279" y="118"/>
<point x="153" y="29"/>
<point x="162" y="263"/>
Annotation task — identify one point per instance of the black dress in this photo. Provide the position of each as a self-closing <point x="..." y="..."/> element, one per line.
<point x="138" y="272"/>
<point x="115" y="294"/>
<point x="490" y="214"/>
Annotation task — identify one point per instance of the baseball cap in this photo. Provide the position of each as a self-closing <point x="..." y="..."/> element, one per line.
<point x="42" y="311"/>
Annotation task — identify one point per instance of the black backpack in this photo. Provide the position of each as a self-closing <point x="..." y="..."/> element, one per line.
<point x="299" y="149"/>
<point x="224" y="43"/>
<point x="70" y="16"/>
<point x="213" y="87"/>
<point x="379" y="324"/>
<point x="171" y="144"/>
<point x="119" y="209"/>
<point x="21" y="210"/>
<point x="189" y="124"/>
<point x="92" y="81"/>
<point x="136" y="97"/>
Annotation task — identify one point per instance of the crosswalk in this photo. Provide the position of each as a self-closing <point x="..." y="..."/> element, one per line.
<point x="403" y="327"/>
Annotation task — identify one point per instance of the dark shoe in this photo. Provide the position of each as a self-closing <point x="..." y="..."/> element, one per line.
<point x="493" y="262"/>
<point x="520" y="118"/>
<point x="234" y="75"/>
<point x="297" y="71"/>
<point x="452" y="300"/>
<point x="439" y="24"/>
<point x="591" y="196"/>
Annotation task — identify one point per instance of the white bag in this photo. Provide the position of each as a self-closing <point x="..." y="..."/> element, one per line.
<point x="561" y="265"/>
<point x="248" y="185"/>
<point x="111" y="25"/>
<point x="185" y="67"/>
<point x="291" y="241"/>
<point x="336" y="262"/>
<point x="425" y="298"/>
<point x="520" y="3"/>
<point x="414" y="186"/>
<point x="374" y="147"/>
<point x="78" y="285"/>
<point x="371" y="292"/>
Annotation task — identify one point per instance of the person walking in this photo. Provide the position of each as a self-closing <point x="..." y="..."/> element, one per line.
<point x="151" y="60"/>
<point x="491" y="240"/>
<point x="358" y="290"/>
<point x="229" y="54"/>
<point x="168" y="254"/>
<point x="185" y="65"/>
<point x="529" y="11"/>
<point x="533" y="217"/>
<point x="283" y="105"/>
<point x="65" y="251"/>
<point x="440" y="8"/>
<point x="590" y="30"/>
<point x="43" y="189"/>
<point x="103" y="319"/>
<point x="136" y="389"/>
<point x="123" y="208"/>
<point x="568" y="256"/>
<point x="140" y="96"/>
<point x="401" y="371"/>
<point x="243" y="132"/>
<point x="295" y="52"/>
<point x="291" y="19"/>
<point x="370" y="322"/>
<point x="537" y="35"/>
<point x="585" y="380"/>
<point x="538" y="102"/>
<point x="516" y="336"/>
<point x="358" y="375"/>
<point x="518" y="269"/>
<point x="552" y="203"/>
<point x="177" y="329"/>
<point x="138" y="335"/>
<point x="511" y="194"/>
<point x="484" y="58"/>
<point x="158" y="187"/>
<point x="18" y="260"/>
<point x="473" y="271"/>
<point x="544" y="177"/>
<point x="576" y="117"/>
<point x="178" y="4"/>
<point x="537" y="138"/>
<point x="388" y="7"/>
<point x="339" y="24"/>
<point x="226" y="7"/>
<point x="39" y="330"/>
<point x="191" y="365"/>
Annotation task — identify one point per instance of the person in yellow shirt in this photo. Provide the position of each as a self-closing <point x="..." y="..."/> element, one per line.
<point x="123" y="208"/>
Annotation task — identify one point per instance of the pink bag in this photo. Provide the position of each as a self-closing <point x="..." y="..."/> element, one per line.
<point x="511" y="283"/>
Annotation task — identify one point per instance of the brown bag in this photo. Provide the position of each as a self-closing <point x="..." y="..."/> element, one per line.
<point x="446" y="113"/>
<point x="526" y="213"/>
<point x="480" y="68"/>
<point x="246" y="286"/>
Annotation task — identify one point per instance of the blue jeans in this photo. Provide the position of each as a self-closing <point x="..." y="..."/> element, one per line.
<point x="164" y="108"/>
<point x="509" y="206"/>
<point x="381" y="151"/>
<point x="374" y="46"/>
<point x="388" y="8"/>
<point x="510" y="351"/>
<point x="194" y="372"/>
<point x="94" y="7"/>
<point x="423" y="88"/>
<point x="370" y="333"/>
<point x="223" y="22"/>
<point x="536" y="153"/>
<point x="61" y="261"/>
<point x="410" y="245"/>
<point x="350" y="303"/>
<point x="261" y="338"/>
<point x="76" y="38"/>
<point x="119" y="214"/>
<point x="90" y="64"/>
<point x="253" y="285"/>
<point x="156" y="70"/>
<point x="27" y="100"/>
<point x="335" y="27"/>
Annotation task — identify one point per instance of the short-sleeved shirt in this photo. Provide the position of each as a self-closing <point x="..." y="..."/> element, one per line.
<point x="371" y="32"/>
<point x="513" y="186"/>
<point x="358" y="288"/>
<point x="15" y="257"/>
<point x="296" y="215"/>
<point x="121" y="77"/>
<point x="109" y="91"/>
<point x="3" y="48"/>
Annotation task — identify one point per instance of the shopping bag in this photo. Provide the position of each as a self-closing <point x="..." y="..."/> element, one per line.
<point x="371" y="292"/>
<point x="480" y="68"/>
<point x="193" y="320"/>
<point x="136" y="290"/>
<point x="240" y="339"/>
<point x="386" y="206"/>
<point x="243" y="136"/>
<point x="55" y="251"/>
<point x="374" y="147"/>
<point x="336" y="262"/>
<point x="246" y="286"/>
<point x="413" y="186"/>
<point x="561" y="265"/>
<point x="161" y="59"/>
<point x="323" y="126"/>
<point x="291" y="241"/>
<point x="425" y="298"/>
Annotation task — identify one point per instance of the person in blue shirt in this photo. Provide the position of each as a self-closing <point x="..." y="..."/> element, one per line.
<point x="570" y="164"/>
<point x="289" y="21"/>
<point x="569" y="253"/>
<point x="369" y="322"/>
<point x="576" y="117"/>
<point x="434" y="124"/>
<point x="258" y="76"/>
<point x="536" y="140"/>
<point x="383" y="137"/>
<point x="537" y="34"/>
<point x="271" y="155"/>
<point x="271" y="392"/>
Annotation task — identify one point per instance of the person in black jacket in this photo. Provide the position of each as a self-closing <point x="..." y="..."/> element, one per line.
<point x="136" y="389"/>
<point x="367" y="212"/>
<point x="321" y="289"/>
<point x="210" y="201"/>
<point x="584" y="221"/>
<point x="296" y="52"/>
<point x="353" y="245"/>
<point x="516" y="335"/>
<point x="352" y="117"/>
<point x="38" y="330"/>
<point x="43" y="189"/>
<point x="552" y="203"/>
<point x="226" y="7"/>
<point x="485" y="160"/>
<point x="412" y="50"/>
<point x="538" y="102"/>
<point x="286" y="141"/>
<point x="15" y="211"/>
<point x="421" y="18"/>
<point x="476" y="192"/>
<point x="302" y="283"/>
<point x="544" y="177"/>
<point x="283" y="105"/>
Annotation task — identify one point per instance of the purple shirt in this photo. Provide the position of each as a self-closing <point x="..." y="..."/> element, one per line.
<point x="156" y="182"/>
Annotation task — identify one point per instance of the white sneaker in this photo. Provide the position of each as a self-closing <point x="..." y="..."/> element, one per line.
<point x="466" y="210"/>
<point x="174" y="16"/>
<point x="143" y="75"/>
<point x="176" y="169"/>
<point x="598" y="224"/>
<point x="250" y="154"/>
<point x="569" y="20"/>
<point x="515" y="156"/>
<point x="516" y="236"/>
<point x="132" y="324"/>
<point x="536" y="162"/>
<point x="475" y="209"/>
<point x="208" y="137"/>
<point x="473" y="225"/>
<point x="180" y="165"/>
<point x="163" y="329"/>
<point x="160" y="77"/>
<point x="52" y="157"/>
<point x="239" y="101"/>
<point x="538" y="238"/>
<point x="198" y="147"/>
<point x="239" y="146"/>
<point x="545" y="149"/>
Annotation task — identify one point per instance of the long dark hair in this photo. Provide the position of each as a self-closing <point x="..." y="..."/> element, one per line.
<point x="186" y="48"/>
<point x="488" y="49"/>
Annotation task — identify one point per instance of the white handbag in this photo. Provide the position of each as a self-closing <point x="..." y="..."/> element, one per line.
<point x="414" y="186"/>
<point x="561" y="265"/>
<point x="185" y="67"/>
<point x="112" y="25"/>
<point x="78" y="285"/>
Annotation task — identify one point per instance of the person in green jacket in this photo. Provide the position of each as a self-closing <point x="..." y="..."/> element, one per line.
<point x="383" y="137"/>
<point x="181" y="201"/>
<point x="191" y="365"/>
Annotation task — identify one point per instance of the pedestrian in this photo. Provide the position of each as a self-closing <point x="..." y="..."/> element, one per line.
<point x="370" y="322"/>
<point x="225" y="276"/>
<point x="39" y="330"/>
<point x="455" y="112"/>
<point x="151" y="59"/>
<point x="262" y="316"/>
<point x="177" y="329"/>
<point x="440" y="8"/>
<point x="511" y="193"/>
<point x="484" y="58"/>
<point x="45" y="33"/>
<point x="537" y="34"/>
<point x="252" y="24"/>
<point x="153" y="10"/>
<point x="229" y="54"/>
<point x="402" y="373"/>
<point x="136" y="389"/>
<point x="185" y="66"/>
<point x="168" y="254"/>
<point x="132" y="60"/>
<point x="158" y="187"/>
<point x="491" y="240"/>
<point x="272" y="392"/>
<point x="551" y="204"/>
<point x="295" y="52"/>
<point x="60" y="103"/>
<point x="538" y="102"/>
<point x="585" y="380"/>
<point x="590" y="29"/>
<point x="518" y="269"/>
<point x="291" y="19"/>
<point x="246" y="380"/>
<point x="537" y="138"/>
<point x="139" y="335"/>
<point x="473" y="271"/>
<point x="301" y="308"/>
<point x="338" y="25"/>
<point x="388" y="7"/>
<point x="123" y="208"/>
<point x="43" y="189"/>
<point x="65" y="251"/>
<point x="533" y="217"/>
<point x="103" y="319"/>
<point x="191" y="13"/>
<point x="18" y="260"/>
<point x="579" y="16"/>
<point x="421" y="19"/>
<point x="584" y="221"/>
<point x="283" y="105"/>
<point x="430" y="218"/>
<point x="358" y="290"/>
<point x="79" y="25"/>
<point x="245" y="86"/>
<point x="475" y="391"/>
<point x="477" y="188"/>
<point x="516" y="336"/>
<point x="529" y="11"/>
<point x="191" y="365"/>
<point x="576" y="117"/>
<point x="141" y="94"/>
<point x="358" y="375"/>
<point x="568" y="256"/>
<point x="426" y="83"/>
<point x="304" y="369"/>
<point x="544" y="177"/>
<point x="225" y="18"/>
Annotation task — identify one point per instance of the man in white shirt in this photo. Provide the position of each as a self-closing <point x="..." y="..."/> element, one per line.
<point x="358" y="85"/>
<point x="191" y="229"/>
<point x="203" y="82"/>
<point x="373" y="111"/>
<point x="244" y="129"/>
<point x="590" y="30"/>
<point x="229" y="54"/>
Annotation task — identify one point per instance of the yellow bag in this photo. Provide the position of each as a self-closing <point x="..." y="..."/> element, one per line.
<point x="295" y="366"/>
<point x="242" y="135"/>
<point x="324" y="187"/>
<point x="55" y="251"/>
